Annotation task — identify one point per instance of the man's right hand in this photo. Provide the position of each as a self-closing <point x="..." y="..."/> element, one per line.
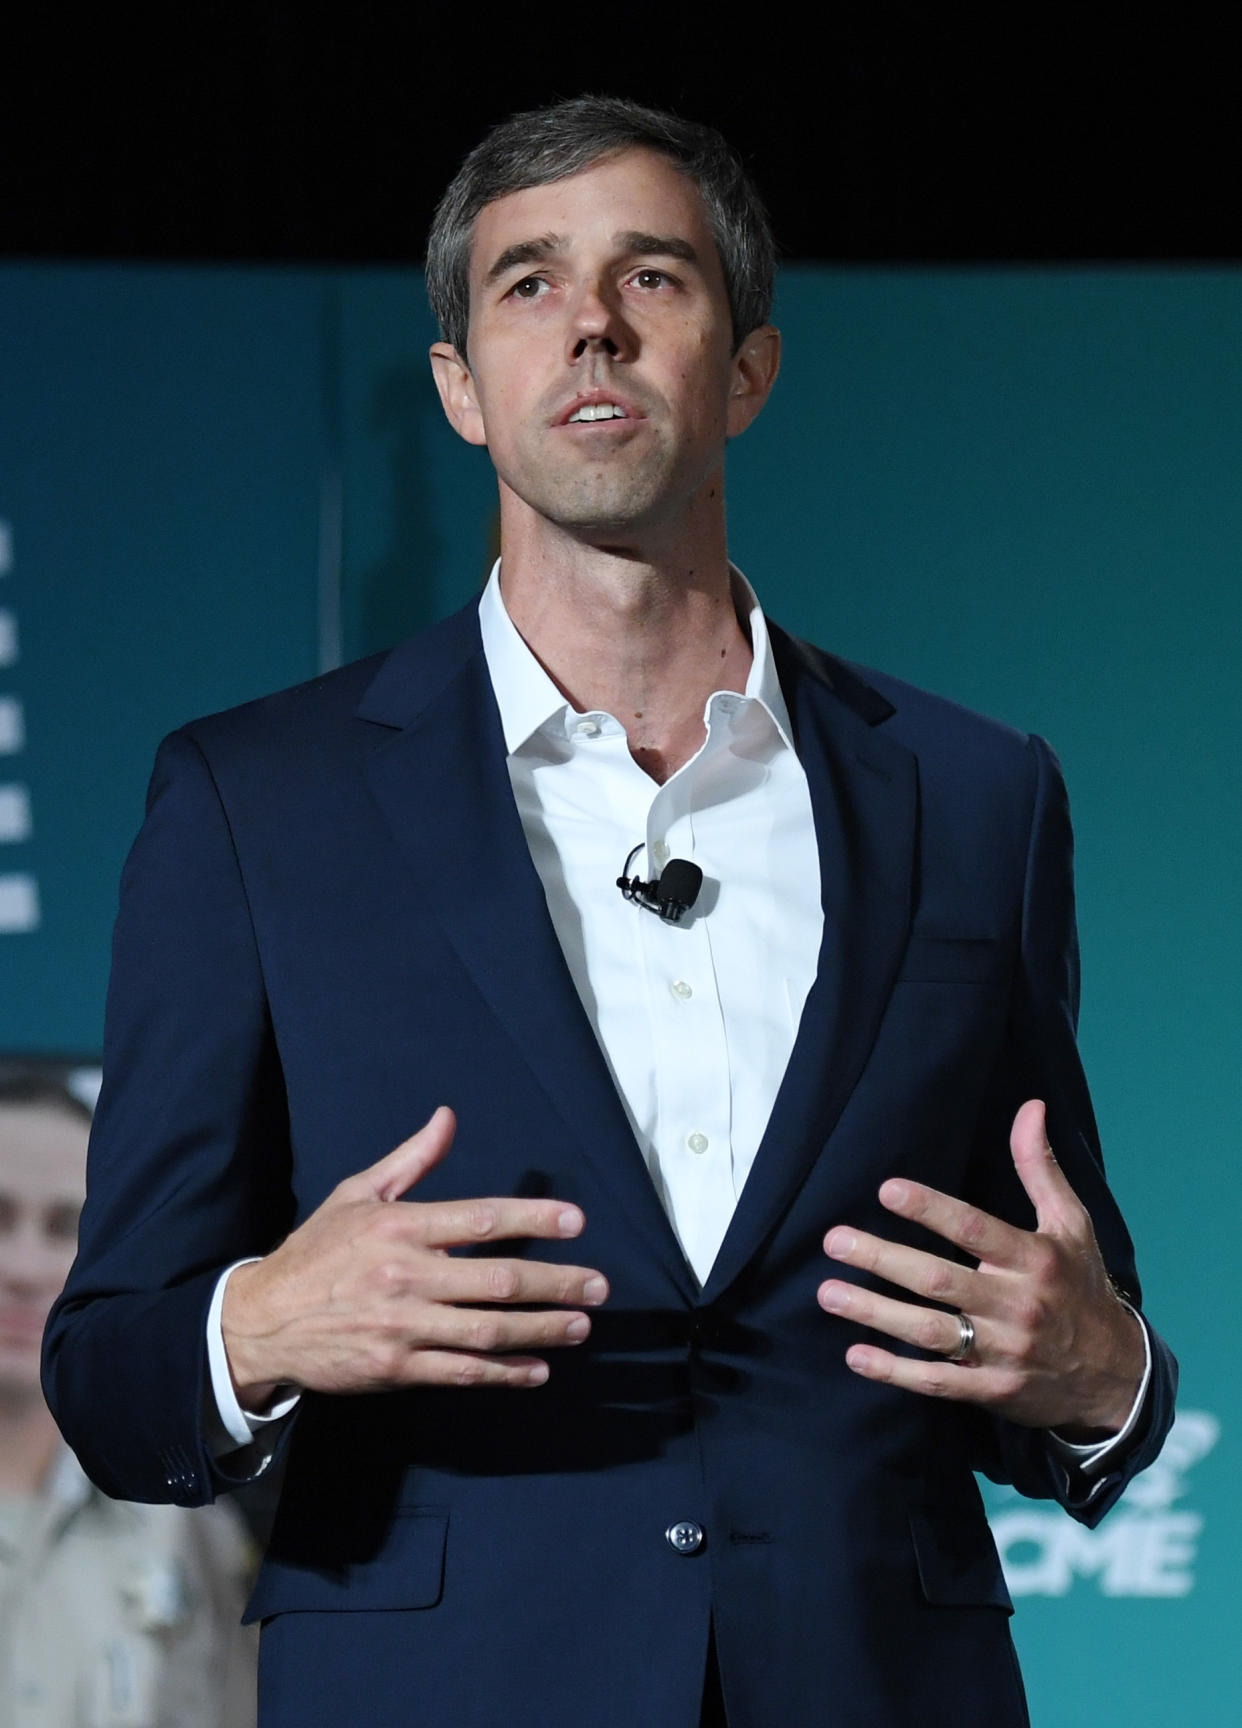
<point x="365" y="1295"/>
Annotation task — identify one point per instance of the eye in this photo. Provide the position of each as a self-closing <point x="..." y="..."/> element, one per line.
<point x="651" y="278"/>
<point x="529" y="288"/>
<point x="62" y="1222"/>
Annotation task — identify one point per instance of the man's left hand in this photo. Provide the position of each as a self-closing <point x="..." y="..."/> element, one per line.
<point x="1053" y="1346"/>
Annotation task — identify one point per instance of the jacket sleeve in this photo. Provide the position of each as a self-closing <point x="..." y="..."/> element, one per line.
<point x="189" y="1159"/>
<point x="1040" y="1060"/>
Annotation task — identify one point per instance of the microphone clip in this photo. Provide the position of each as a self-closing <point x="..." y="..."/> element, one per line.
<point x="670" y="895"/>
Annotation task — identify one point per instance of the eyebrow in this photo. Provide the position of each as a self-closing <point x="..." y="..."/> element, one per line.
<point x="525" y="252"/>
<point x="632" y="241"/>
<point x="658" y="245"/>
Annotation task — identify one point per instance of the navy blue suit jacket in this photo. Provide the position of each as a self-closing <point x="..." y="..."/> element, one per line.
<point x="330" y="924"/>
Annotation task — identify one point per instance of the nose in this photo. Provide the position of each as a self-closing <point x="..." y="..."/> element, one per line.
<point x="598" y="325"/>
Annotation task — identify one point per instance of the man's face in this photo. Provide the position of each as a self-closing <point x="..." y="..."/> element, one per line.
<point x="42" y="1160"/>
<point x="600" y="370"/>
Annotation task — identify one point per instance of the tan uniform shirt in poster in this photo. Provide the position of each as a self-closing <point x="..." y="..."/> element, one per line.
<point x="121" y="1616"/>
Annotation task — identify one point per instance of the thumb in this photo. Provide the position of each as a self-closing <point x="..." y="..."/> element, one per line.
<point x="397" y="1172"/>
<point x="1054" y="1200"/>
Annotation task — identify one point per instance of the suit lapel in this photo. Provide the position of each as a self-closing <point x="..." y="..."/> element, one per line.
<point x="863" y="788"/>
<point x="443" y="787"/>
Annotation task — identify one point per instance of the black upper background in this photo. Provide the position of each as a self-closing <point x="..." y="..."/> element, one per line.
<point x="323" y="133"/>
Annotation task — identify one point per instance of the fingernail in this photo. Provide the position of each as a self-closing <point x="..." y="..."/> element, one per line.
<point x="578" y="1328"/>
<point x="570" y="1221"/>
<point x="536" y="1375"/>
<point x="595" y="1289"/>
<point x="834" y="1298"/>
<point x="841" y="1242"/>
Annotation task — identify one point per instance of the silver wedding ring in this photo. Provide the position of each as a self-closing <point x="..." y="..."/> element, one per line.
<point x="965" y="1339"/>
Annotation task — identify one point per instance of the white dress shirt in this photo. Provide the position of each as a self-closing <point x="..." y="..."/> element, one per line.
<point x="696" y="1020"/>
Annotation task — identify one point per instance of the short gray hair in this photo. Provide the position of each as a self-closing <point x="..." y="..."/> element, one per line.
<point x="547" y="144"/>
<point x="41" y="1085"/>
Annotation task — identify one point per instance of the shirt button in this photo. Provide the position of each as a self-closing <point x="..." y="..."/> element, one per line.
<point x="684" y="1537"/>
<point x="587" y="728"/>
<point x="697" y="1142"/>
<point x="682" y="990"/>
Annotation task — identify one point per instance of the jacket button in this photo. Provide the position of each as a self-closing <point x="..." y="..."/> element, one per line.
<point x="684" y="1537"/>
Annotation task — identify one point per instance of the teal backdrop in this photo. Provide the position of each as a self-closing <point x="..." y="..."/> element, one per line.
<point x="1020" y="488"/>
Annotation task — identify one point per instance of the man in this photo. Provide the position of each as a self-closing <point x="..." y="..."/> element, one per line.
<point x="111" y="1614"/>
<point x="572" y="1437"/>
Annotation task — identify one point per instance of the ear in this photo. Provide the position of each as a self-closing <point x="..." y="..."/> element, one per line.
<point x="754" y="370"/>
<point x="457" y="393"/>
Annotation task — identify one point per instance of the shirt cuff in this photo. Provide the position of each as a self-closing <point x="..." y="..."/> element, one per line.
<point x="233" y="1427"/>
<point x="1091" y="1457"/>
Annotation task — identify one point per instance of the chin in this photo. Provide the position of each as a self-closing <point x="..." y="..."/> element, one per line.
<point x="606" y="505"/>
<point x="609" y="521"/>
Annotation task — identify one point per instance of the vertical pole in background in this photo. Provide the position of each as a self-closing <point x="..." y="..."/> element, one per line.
<point x="331" y="479"/>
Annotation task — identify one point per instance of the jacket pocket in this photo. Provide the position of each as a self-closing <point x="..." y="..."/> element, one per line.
<point x="951" y="960"/>
<point x="957" y="1561"/>
<point x="408" y="1572"/>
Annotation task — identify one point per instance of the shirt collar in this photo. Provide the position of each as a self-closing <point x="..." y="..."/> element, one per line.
<point x="528" y="699"/>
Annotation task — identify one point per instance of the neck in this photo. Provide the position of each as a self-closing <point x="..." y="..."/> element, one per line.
<point x="28" y="1442"/>
<point x="643" y="633"/>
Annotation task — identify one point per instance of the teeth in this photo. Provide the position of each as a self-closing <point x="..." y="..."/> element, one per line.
<point x="598" y="411"/>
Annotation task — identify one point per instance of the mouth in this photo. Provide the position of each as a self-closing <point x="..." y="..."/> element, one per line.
<point x="597" y="408"/>
<point x="21" y="1331"/>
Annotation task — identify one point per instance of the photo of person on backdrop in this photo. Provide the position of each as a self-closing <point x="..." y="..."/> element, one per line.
<point x="110" y="1614"/>
<point x="631" y="1283"/>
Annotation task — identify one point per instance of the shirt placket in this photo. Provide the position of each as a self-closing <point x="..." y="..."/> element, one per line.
<point x="688" y="1037"/>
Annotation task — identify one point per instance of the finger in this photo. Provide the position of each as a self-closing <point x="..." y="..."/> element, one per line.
<point x="1056" y="1205"/>
<point x="922" y="1274"/>
<point x="462" y="1223"/>
<point x="452" y="1279"/>
<point x="968" y="1227"/>
<point x="501" y="1331"/>
<point x="968" y="1383"/>
<point x="458" y="1368"/>
<point x="397" y="1172"/>
<point x="926" y="1328"/>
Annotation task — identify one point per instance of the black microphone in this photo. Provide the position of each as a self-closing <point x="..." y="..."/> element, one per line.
<point x="670" y="895"/>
